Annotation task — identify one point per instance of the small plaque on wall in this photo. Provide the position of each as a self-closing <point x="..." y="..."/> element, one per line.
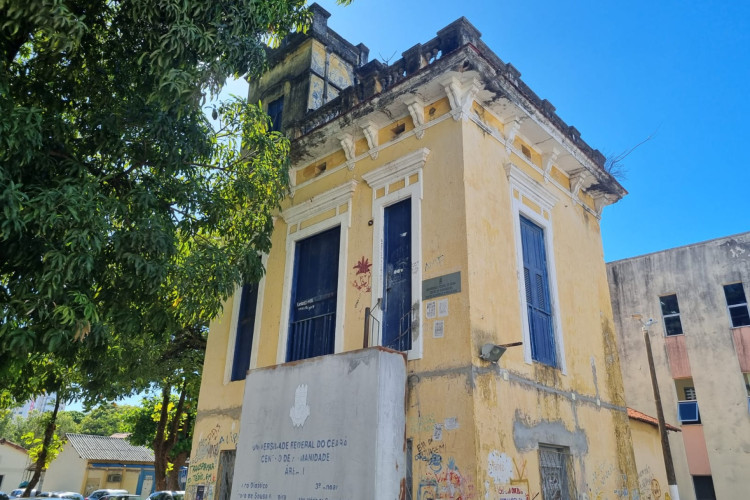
<point x="442" y="285"/>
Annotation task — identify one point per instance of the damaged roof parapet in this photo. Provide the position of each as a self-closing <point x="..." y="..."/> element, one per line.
<point x="356" y="55"/>
<point x="457" y="47"/>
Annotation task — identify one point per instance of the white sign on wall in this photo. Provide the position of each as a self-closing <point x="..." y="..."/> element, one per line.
<point x="327" y="428"/>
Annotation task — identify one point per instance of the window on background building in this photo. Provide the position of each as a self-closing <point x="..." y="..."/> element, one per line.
<point x="670" y="312"/>
<point x="243" y="343"/>
<point x="536" y="284"/>
<point x="687" y="406"/>
<point x="276" y="111"/>
<point x="704" y="488"/>
<point x="737" y="304"/>
<point x="556" y="469"/>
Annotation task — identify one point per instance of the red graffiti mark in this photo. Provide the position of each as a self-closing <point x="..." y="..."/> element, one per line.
<point x="363" y="266"/>
<point x="362" y="281"/>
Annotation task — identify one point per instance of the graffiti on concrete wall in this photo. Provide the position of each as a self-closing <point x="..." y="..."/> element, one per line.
<point x="205" y="461"/>
<point x="447" y="484"/>
<point x="440" y="478"/>
<point x="648" y="484"/>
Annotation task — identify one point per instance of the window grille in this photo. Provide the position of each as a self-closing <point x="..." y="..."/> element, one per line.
<point x="690" y="393"/>
<point x="558" y="479"/>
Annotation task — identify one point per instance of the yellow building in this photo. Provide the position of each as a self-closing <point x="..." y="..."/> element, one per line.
<point x="441" y="208"/>
<point x="87" y="463"/>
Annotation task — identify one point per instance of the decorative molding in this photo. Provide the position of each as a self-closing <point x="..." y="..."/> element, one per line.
<point x="461" y="96"/>
<point x="577" y="180"/>
<point x="371" y="134"/>
<point x="530" y="188"/>
<point x="347" y="144"/>
<point x="511" y="128"/>
<point x="601" y="200"/>
<point x="396" y="169"/>
<point x="321" y="203"/>
<point x="548" y="159"/>
<point x="416" y="110"/>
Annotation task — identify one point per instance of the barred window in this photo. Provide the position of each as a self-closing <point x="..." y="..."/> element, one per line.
<point x="556" y="468"/>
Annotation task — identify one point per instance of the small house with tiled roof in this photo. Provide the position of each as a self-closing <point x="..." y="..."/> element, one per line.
<point x="89" y="462"/>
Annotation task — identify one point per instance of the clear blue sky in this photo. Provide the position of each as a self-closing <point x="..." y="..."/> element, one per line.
<point x="618" y="72"/>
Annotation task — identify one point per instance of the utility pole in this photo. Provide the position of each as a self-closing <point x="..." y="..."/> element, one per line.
<point x="666" y="451"/>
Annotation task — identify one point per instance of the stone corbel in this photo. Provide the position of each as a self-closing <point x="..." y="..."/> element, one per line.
<point x="577" y="179"/>
<point x="508" y="167"/>
<point x="416" y="110"/>
<point x="511" y="128"/>
<point x="347" y="144"/>
<point x="371" y="134"/>
<point x="601" y="201"/>
<point x="547" y="160"/>
<point x="461" y="96"/>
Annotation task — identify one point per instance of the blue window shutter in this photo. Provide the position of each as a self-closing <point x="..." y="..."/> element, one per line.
<point x="312" y="317"/>
<point x="397" y="295"/>
<point x="243" y="342"/>
<point x="541" y="329"/>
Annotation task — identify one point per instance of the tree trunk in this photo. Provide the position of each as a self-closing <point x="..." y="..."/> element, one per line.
<point x="160" y="453"/>
<point x="173" y="479"/>
<point x="49" y="432"/>
<point x="166" y="438"/>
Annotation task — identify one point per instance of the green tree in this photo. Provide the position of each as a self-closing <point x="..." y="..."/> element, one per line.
<point x="165" y="424"/>
<point x="105" y="420"/>
<point x="127" y="219"/>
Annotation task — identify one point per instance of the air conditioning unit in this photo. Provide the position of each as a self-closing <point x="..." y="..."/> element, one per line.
<point x="688" y="412"/>
<point x="114" y="478"/>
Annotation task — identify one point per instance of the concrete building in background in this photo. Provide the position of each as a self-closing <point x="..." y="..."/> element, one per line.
<point x="441" y="209"/>
<point x="43" y="403"/>
<point x="701" y="342"/>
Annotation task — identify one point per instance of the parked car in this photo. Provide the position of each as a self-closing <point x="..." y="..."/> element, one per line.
<point x="68" y="495"/>
<point x="4" y="496"/>
<point x="167" y="495"/>
<point x="19" y="491"/>
<point x="121" y="496"/>
<point x="98" y="494"/>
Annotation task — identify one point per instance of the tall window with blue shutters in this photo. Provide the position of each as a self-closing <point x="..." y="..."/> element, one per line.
<point x="243" y="342"/>
<point x="536" y="284"/>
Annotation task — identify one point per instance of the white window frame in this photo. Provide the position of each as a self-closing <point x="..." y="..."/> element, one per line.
<point x="294" y="216"/>
<point x="401" y="169"/>
<point x="530" y="189"/>
<point x="235" y="318"/>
